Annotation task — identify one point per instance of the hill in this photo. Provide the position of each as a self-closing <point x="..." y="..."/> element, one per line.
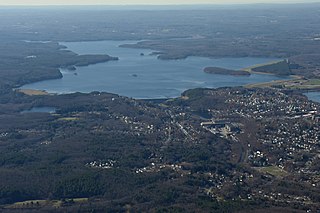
<point x="278" y="68"/>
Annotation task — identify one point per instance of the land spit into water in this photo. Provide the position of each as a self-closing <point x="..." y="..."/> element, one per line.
<point x="222" y="71"/>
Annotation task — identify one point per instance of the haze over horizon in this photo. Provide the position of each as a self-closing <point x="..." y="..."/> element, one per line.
<point x="143" y="2"/>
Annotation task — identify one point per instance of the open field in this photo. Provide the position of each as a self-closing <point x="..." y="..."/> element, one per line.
<point x="45" y="203"/>
<point x="297" y="83"/>
<point x="68" y="119"/>
<point x="250" y="69"/>
<point x="272" y="170"/>
<point x="32" y="92"/>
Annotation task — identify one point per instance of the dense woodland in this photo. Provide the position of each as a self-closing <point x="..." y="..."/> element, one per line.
<point x="49" y="156"/>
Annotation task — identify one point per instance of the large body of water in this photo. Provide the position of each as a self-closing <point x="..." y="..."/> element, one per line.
<point x="145" y="76"/>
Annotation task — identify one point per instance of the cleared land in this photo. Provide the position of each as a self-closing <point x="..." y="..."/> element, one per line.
<point x="32" y="92"/>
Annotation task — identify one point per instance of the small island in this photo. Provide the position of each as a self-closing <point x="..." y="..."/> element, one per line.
<point x="223" y="71"/>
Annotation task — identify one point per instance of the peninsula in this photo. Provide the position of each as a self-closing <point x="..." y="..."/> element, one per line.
<point x="223" y="71"/>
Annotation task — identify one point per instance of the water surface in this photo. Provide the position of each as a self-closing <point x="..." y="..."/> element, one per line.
<point x="145" y="76"/>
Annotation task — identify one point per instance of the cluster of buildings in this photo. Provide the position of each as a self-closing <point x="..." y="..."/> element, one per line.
<point x="107" y="164"/>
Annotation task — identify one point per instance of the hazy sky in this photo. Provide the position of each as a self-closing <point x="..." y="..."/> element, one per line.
<point x="145" y="2"/>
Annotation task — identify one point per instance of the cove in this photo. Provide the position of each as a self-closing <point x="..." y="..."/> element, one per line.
<point x="138" y="74"/>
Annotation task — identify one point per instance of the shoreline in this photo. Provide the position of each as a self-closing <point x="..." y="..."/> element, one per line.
<point x="248" y="69"/>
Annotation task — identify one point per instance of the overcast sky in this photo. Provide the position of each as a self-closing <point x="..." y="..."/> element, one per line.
<point x="144" y="2"/>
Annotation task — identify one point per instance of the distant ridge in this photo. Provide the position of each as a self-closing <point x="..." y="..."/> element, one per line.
<point x="164" y="7"/>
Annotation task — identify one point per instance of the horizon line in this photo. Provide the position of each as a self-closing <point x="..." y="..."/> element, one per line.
<point x="156" y="5"/>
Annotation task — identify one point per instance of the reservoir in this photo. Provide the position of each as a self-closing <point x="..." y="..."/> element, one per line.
<point x="138" y="74"/>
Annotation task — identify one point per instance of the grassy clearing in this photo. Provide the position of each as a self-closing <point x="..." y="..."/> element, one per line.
<point x="250" y="69"/>
<point x="184" y="97"/>
<point x="68" y="119"/>
<point x="32" y="92"/>
<point x="80" y="200"/>
<point x="296" y="83"/>
<point x="313" y="81"/>
<point x="268" y="84"/>
<point x="42" y="203"/>
<point x="273" y="170"/>
<point x="30" y="204"/>
<point x="56" y="203"/>
<point x="261" y="85"/>
<point x="303" y="84"/>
